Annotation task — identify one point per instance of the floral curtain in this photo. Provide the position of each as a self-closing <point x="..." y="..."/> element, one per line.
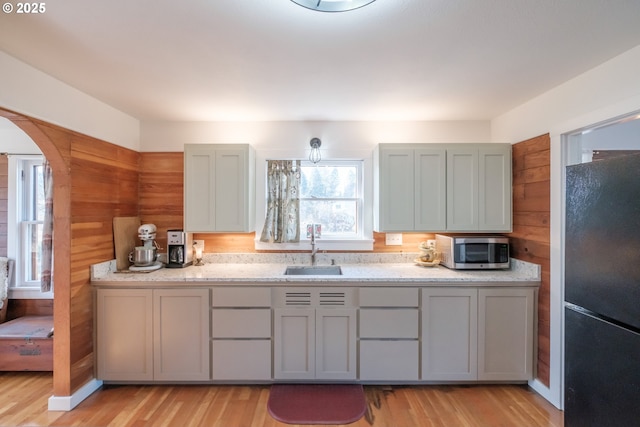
<point x="46" y="267"/>
<point x="282" y="223"/>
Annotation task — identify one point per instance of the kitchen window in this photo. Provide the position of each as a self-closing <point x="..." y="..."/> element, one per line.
<point x="331" y="195"/>
<point x="24" y="242"/>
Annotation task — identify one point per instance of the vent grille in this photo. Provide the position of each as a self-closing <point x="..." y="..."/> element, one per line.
<point x="297" y="298"/>
<point x="332" y="298"/>
<point x="310" y="297"/>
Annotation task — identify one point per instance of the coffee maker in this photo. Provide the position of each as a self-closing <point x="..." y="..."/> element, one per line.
<point x="179" y="249"/>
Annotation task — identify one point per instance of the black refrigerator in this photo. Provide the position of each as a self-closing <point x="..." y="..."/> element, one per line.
<point x="602" y="293"/>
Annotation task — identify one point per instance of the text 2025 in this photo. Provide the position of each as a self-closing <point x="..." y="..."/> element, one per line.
<point x="31" y="7"/>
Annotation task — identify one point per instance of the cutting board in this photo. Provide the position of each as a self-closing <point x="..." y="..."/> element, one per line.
<point x="125" y="237"/>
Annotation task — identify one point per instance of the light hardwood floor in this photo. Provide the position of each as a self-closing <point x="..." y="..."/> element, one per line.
<point x="23" y="402"/>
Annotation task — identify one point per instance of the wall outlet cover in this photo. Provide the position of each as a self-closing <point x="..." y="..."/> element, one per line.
<point x="393" y="239"/>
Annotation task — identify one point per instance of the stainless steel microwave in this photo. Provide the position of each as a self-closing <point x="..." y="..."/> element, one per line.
<point x="473" y="252"/>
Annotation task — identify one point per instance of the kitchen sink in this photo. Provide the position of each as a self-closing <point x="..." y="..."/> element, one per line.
<point x="309" y="270"/>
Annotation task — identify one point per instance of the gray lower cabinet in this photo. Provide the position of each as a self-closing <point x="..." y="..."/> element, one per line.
<point x="449" y="334"/>
<point x="180" y="334"/>
<point x="153" y="334"/>
<point x="315" y="343"/>
<point x="471" y="334"/>
<point x="294" y="343"/>
<point x="124" y="336"/>
<point x="314" y="336"/>
<point x="241" y="334"/>
<point x="299" y="333"/>
<point x="506" y="330"/>
<point x="388" y="334"/>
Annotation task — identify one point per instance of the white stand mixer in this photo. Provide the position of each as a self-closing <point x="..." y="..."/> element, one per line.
<point x="145" y="257"/>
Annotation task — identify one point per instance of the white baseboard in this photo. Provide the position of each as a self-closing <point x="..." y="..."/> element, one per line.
<point x="67" y="403"/>
<point x="545" y="392"/>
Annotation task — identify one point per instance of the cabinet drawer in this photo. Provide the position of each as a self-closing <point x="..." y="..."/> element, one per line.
<point x="389" y="323"/>
<point x="241" y="297"/>
<point x="241" y="323"/>
<point x="389" y="360"/>
<point x="388" y="297"/>
<point x="248" y="360"/>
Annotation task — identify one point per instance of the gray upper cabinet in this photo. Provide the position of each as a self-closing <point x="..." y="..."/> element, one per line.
<point x="479" y="188"/>
<point x="430" y="193"/>
<point x="495" y="188"/>
<point x="410" y="188"/>
<point x="396" y="201"/>
<point x="219" y="188"/>
<point x="462" y="190"/>
<point x="442" y="187"/>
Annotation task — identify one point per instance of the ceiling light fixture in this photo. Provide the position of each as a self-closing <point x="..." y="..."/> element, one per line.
<point x="314" y="156"/>
<point x="332" y="5"/>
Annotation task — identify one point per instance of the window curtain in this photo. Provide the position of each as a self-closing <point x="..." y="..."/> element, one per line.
<point x="47" y="230"/>
<point x="282" y="223"/>
<point x="6" y="268"/>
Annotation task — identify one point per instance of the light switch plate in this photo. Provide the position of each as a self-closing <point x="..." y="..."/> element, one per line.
<point x="393" y="239"/>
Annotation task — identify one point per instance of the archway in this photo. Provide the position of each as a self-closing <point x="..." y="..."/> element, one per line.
<point x="58" y="156"/>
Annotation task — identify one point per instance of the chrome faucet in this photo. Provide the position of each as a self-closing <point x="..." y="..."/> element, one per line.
<point x="313" y="248"/>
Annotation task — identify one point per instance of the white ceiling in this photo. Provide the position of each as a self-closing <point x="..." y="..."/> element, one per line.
<point x="210" y="60"/>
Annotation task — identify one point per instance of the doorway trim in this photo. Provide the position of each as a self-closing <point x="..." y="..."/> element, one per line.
<point x="61" y="248"/>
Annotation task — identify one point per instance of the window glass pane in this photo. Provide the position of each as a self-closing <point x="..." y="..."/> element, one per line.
<point x="38" y="194"/>
<point x="329" y="182"/>
<point x="330" y="195"/>
<point x="33" y="252"/>
<point x="335" y="216"/>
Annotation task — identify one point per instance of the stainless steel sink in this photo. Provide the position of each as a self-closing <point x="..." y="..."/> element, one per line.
<point x="308" y="270"/>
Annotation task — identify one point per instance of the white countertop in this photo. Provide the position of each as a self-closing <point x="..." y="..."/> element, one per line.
<point x="366" y="269"/>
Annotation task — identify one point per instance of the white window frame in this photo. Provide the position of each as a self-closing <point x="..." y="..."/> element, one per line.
<point x="17" y="203"/>
<point x="362" y="242"/>
<point x="358" y="235"/>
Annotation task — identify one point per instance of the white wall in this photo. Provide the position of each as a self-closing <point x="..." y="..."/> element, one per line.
<point x="28" y="91"/>
<point x="14" y="140"/>
<point x="608" y="91"/>
<point x="294" y="137"/>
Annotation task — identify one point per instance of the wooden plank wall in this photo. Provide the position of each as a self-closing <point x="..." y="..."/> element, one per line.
<point x="4" y="180"/>
<point x="162" y="192"/>
<point x="29" y="307"/>
<point x="530" y="239"/>
<point x="94" y="181"/>
<point x="104" y="184"/>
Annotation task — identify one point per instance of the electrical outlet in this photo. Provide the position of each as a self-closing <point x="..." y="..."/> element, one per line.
<point x="199" y="244"/>
<point x="393" y="239"/>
